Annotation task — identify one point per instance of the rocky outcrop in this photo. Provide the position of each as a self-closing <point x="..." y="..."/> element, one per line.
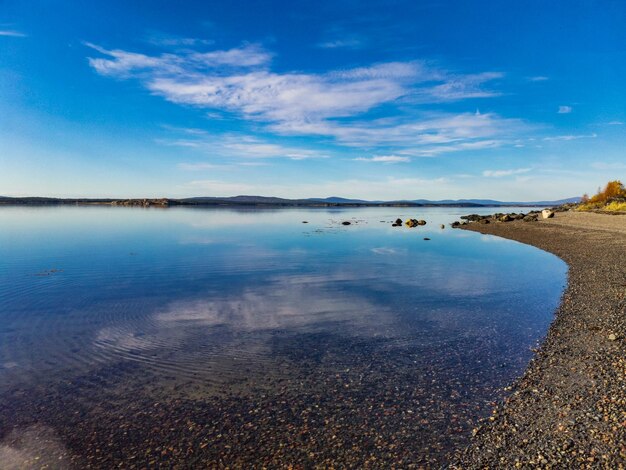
<point x="498" y="217"/>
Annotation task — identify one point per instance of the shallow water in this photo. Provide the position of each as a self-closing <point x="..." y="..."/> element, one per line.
<point x="243" y="337"/>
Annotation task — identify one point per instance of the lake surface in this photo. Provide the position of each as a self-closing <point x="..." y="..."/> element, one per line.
<point x="246" y="338"/>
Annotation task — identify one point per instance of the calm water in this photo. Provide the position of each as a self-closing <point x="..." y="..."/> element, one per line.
<point x="248" y="338"/>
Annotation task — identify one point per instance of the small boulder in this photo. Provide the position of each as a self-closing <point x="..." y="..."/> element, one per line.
<point x="421" y="222"/>
<point x="443" y="226"/>
<point x="483" y="221"/>
<point x="345" y="222"/>
<point x="399" y="221"/>
<point x="547" y="214"/>
<point x="505" y="218"/>
<point x="426" y="238"/>
<point x="456" y="223"/>
<point x="531" y="218"/>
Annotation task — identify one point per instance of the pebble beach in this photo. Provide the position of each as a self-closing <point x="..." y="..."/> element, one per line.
<point x="568" y="410"/>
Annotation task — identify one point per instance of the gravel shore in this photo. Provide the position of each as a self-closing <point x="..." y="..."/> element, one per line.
<point x="569" y="408"/>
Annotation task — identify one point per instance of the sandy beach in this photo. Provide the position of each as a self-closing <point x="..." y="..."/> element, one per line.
<point x="568" y="410"/>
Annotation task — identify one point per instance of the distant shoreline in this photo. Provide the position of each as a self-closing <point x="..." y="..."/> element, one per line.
<point x="248" y="201"/>
<point x="568" y="409"/>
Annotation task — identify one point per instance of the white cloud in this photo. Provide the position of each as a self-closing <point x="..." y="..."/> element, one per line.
<point x="267" y="96"/>
<point x="254" y="148"/>
<point x="185" y="65"/>
<point x="571" y="137"/>
<point x="384" y="159"/>
<point x="564" y="109"/>
<point x="12" y="33"/>
<point x="468" y="129"/>
<point x="238" y="146"/>
<point x="502" y="173"/>
<point x="241" y="82"/>
<point x="538" y="78"/>
<point x="615" y="123"/>
<point x="463" y="87"/>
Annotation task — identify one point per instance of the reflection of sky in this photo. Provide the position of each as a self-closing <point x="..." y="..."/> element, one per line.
<point x="191" y="285"/>
<point x="285" y="304"/>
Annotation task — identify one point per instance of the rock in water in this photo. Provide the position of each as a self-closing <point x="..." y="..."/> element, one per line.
<point x="345" y="222"/>
<point x="442" y="226"/>
<point x="398" y="221"/>
<point x="547" y="214"/>
<point x="411" y="223"/>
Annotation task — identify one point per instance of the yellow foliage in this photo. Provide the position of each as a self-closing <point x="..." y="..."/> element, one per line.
<point x="603" y="200"/>
<point x="615" y="206"/>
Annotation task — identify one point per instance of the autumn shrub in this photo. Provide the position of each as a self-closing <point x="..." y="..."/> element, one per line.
<point x="611" y="198"/>
<point x="615" y="206"/>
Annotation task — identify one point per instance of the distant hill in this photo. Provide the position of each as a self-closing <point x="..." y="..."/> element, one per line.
<point x="492" y="202"/>
<point x="274" y="201"/>
<point x="343" y="200"/>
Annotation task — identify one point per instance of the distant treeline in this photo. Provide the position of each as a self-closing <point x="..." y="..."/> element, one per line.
<point x="231" y="201"/>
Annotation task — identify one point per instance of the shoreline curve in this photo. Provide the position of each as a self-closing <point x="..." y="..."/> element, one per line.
<point x="568" y="409"/>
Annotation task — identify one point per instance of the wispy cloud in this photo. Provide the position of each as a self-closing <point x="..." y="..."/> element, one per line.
<point x="197" y="166"/>
<point x="432" y="134"/>
<point x="384" y="159"/>
<point x="12" y="33"/>
<point x="379" y="188"/>
<point x="502" y="173"/>
<point x="615" y="123"/>
<point x="240" y="81"/>
<point x="538" y="78"/>
<point x="341" y="37"/>
<point x="342" y="43"/>
<point x="564" y="109"/>
<point x="608" y="165"/>
<point x="235" y="146"/>
<point x="168" y="40"/>
<point x="464" y="87"/>
<point x="570" y="137"/>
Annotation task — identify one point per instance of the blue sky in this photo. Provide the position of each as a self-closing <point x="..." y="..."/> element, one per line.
<point x="377" y="100"/>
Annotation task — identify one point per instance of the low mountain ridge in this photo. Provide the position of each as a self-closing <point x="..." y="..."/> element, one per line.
<point x="272" y="201"/>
